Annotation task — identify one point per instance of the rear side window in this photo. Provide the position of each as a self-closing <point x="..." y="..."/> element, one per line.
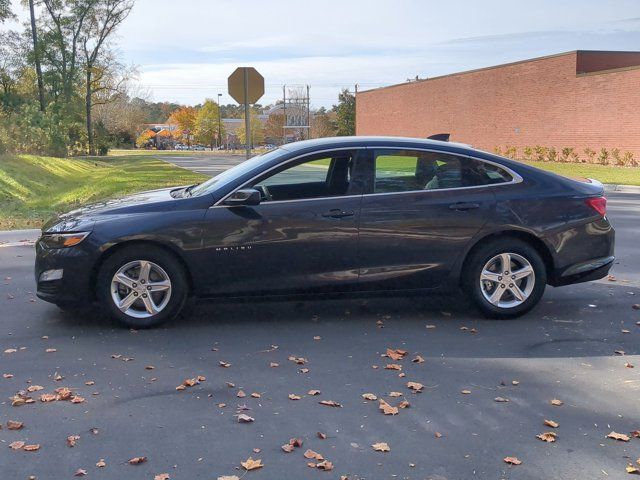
<point x="411" y="170"/>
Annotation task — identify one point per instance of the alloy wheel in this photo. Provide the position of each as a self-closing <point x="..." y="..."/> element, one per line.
<point x="507" y="280"/>
<point x="141" y="289"/>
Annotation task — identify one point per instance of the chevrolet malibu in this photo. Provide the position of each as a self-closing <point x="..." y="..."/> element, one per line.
<point x="352" y="214"/>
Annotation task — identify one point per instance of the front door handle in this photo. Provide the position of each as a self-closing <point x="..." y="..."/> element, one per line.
<point x="337" y="213"/>
<point x="462" y="206"/>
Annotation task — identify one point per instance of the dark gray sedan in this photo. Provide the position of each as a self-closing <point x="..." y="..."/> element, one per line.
<point x="354" y="214"/>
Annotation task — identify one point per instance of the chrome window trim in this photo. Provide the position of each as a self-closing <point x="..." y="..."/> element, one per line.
<point x="218" y="203"/>
<point x="516" y="178"/>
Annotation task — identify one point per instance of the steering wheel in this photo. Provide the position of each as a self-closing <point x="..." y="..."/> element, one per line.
<point x="264" y="192"/>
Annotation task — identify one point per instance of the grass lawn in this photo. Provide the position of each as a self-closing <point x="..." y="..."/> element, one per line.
<point x="602" y="173"/>
<point x="34" y="188"/>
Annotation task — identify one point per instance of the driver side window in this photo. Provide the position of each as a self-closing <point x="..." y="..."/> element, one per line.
<point x="318" y="176"/>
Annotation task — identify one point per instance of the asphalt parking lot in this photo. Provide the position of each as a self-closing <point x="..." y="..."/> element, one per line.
<point x="578" y="347"/>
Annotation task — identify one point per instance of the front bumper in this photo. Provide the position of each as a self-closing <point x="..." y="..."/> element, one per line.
<point x="75" y="285"/>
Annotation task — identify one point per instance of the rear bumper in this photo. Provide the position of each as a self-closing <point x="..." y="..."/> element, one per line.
<point x="594" y="269"/>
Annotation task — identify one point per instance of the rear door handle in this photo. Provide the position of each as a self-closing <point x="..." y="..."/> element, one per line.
<point x="337" y="213"/>
<point x="462" y="206"/>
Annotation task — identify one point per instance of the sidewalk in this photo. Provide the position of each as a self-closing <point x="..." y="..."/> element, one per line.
<point x="621" y="188"/>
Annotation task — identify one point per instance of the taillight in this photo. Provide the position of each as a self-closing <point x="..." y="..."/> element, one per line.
<point x="599" y="204"/>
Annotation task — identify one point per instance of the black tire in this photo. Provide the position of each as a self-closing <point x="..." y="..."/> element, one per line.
<point x="475" y="264"/>
<point x="160" y="257"/>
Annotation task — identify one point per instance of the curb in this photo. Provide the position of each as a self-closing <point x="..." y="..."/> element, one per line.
<point x="621" y="188"/>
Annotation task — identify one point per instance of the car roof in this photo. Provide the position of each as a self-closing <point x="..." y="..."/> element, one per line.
<point x="370" y="141"/>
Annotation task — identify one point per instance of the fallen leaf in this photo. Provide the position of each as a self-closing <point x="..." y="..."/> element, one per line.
<point x="395" y="354"/>
<point x="313" y="455"/>
<point x="635" y="433"/>
<point x="632" y="470"/>
<point x="317" y="337"/>
<point x="101" y="463"/>
<point x="162" y="476"/>
<point x="48" y="397"/>
<point x="251" y="464"/>
<point x="256" y="395"/>
<point x="77" y="399"/>
<point x="31" y="448"/>
<point x="466" y="392"/>
<point x="89" y="383"/>
<point x="257" y="450"/>
<point x="242" y="418"/>
<point x="404" y="404"/>
<point x="369" y="396"/>
<point x="628" y="365"/>
<point x="80" y="472"/>
<point x="415" y="386"/>
<point x="229" y="477"/>
<point x="619" y="436"/>
<point x="224" y="364"/>
<point x="137" y="460"/>
<point x="430" y="327"/>
<point x="386" y="408"/>
<point x="51" y="350"/>
<point x="329" y="403"/>
<point x="241" y="394"/>
<point x="515" y="382"/>
<point x="314" y="392"/>
<point x="395" y="394"/>
<point x="293" y="396"/>
<point x="418" y="359"/>
<point x="274" y="364"/>
<point x="14" y="425"/>
<point x="34" y="388"/>
<point x="381" y="447"/>
<point x="287" y="448"/>
<point x="551" y="423"/>
<point x="393" y="366"/>
<point x="547" y="437"/>
<point x="298" y="360"/>
<point x="556" y="402"/>
<point x="10" y="350"/>
<point x="512" y="460"/>
<point x="321" y="436"/>
<point x="72" y="439"/>
<point x="500" y="399"/>
<point x="16" y="445"/>
<point x="149" y="367"/>
<point x="296" y="442"/>
<point x="437" y="435"/>
<point x="325" y="465"/>
<point x="304" y="370"/>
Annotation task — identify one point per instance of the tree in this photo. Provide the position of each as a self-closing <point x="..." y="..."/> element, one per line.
<point x="36" y="55"/>
<point x="184" y="119"/>
<point x="346" y="113"/>
<point x="323" y="124"/>
<point x="102" y="21"/>
<point x="145" y="138"/>
<point x="274" y="127"/>
<point x="208" y="125"/>
<point x="5" y="10"/>
<point x="257" y="131"/>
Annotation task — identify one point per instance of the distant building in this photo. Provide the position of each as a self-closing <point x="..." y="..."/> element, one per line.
<point x="580" y="99"/>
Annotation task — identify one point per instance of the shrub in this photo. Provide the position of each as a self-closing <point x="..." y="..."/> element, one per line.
<point x="540" y="153"/>
<point x="628" y="159"/>
<point x="603" y="157"/>
<point x="566" y="152"/>
<point x="497" y="150"/>
<point x="527" y="152"/>
<point x="617" y="157"/>
<point x="552" y="154"/>
<point x="591" y="155"/>
<point x="511" y="151"/>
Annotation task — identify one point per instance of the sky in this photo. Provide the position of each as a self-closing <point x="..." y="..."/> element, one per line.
<point x="186" y="49"/>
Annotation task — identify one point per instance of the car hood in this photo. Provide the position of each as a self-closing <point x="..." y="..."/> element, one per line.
<point x="85" y="217"/>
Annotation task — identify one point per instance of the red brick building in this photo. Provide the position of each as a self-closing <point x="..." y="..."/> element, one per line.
<point x="580" y="99"/>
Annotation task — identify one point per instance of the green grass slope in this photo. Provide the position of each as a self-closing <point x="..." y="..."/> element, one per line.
<point x="34" y="188"/>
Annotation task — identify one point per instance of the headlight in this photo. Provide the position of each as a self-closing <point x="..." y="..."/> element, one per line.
<point x="62" y="240"/>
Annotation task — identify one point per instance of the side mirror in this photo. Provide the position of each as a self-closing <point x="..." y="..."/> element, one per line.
<point x="243" y="197"/>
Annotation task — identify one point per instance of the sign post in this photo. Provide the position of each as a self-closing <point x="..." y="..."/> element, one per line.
<point x="246" y="86"/>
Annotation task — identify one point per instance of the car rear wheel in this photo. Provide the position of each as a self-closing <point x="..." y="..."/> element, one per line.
<point x="142" y="286"/>
<point x="505" y="278"/>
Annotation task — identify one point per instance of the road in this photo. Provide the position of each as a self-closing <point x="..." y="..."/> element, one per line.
<point x="565" y="349"/>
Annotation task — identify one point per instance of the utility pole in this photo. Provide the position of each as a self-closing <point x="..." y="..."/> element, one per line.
<point x="308" y="115"/>
<point x="284" y="111"/>
<point x="219" y="123"/>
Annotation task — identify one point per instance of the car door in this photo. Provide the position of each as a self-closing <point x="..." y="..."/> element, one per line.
<point x="419" y="213"/>
<point x="302" y="237"/>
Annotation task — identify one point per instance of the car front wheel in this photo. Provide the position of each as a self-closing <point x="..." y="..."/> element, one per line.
<point x="505" y="278"/>
<point x="142" y="286"/>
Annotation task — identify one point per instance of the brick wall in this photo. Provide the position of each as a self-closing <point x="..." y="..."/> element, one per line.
<point x="536" y="102"/>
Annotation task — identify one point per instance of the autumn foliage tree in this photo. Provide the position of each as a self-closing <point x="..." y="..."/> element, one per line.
<point x="184" y="119"/>
<point x="208" y="125"/>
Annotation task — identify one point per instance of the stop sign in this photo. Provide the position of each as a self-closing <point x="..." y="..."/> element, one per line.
<point x="254" y="85"/>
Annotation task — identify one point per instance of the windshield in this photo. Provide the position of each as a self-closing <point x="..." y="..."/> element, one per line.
<point x="227" y="176"/>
